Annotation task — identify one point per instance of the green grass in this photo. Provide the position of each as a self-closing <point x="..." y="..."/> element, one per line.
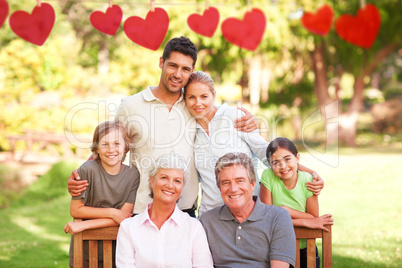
<point x="361" y="192"/>
<point x="32" y="235"/>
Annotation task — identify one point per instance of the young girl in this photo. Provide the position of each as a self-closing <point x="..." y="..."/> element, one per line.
<point x="283" y="185"/>
<point x="110" y="196"/>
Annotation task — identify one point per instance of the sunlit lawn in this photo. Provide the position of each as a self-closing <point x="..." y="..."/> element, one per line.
<point x="32" y="236"/>
<point x="362" y="192"/>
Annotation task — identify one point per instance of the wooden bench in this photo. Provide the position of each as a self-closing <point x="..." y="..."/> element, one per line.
<point x="52" y="143"/>
<point x="311" y="235"/>
<point x="107" y="235"/>
<point x="110" y="233"/>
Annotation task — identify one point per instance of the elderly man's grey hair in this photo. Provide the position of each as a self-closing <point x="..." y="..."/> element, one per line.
<point x="232" y="159"/>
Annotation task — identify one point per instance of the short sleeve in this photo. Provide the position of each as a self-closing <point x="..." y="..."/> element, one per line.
<point x="135" y="176"/>
<point x="307" y="178"/>
<point x="83" y="172"/>
<point x="201" y="254"/>
<point x="121" y="114"/>
<point x="283" y="246"/>
<point x="267" y="178"/>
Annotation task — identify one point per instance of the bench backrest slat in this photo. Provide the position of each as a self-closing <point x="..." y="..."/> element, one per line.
<point x="107" y="235"/>
<point x="311" y="235"/>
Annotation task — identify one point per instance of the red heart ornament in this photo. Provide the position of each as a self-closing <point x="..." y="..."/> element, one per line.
<point x="361" y="30"/>
<point x="3" y="11"/>
<point x="206" y="23"/>
<point x="36" y="27"/>
<point x="320" y="22"/>
<point x="246" y="33"/>
<point x="108" y="22"/>
<point x="150" y="32"/>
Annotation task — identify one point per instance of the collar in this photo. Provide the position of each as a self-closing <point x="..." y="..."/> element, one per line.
<point x="219" y="112"/>
<point x="144" y="217"/>
<point x="255" y="215"/>
<point x="149" y="96"/>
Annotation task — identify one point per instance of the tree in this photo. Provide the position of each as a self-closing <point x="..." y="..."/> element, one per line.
<point x="332" y="57"/>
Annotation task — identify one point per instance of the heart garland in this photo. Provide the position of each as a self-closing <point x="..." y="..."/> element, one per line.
<point x="361" y="30"/>
<point x="36" y="27"/>
<point x="246" y="33"/>
<point x="318" y="23"/>
<point x="206" y="23"/>
<point x="108" y="22"/>
<point x="150" y="32"/>
<point x="3" y="11"/>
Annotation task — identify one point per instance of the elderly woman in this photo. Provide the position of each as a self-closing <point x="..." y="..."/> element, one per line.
<point x="163" y="235"/>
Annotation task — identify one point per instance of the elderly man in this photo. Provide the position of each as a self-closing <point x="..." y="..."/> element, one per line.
<point x="245" y="232"/>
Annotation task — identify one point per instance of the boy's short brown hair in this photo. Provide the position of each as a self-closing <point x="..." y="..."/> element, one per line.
<point x="103" y="129"/>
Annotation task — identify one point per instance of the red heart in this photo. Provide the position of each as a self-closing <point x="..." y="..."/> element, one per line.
<point x="320" y="22"/>
<point x="34" y="28"/>
<point x="108" y="22"/>
<point x="150" y="32"/>
<point x="246" y="33"/>
<point x="206" y="23"/>
<point x="361" y="30"/>
<point x="3" y="11"/>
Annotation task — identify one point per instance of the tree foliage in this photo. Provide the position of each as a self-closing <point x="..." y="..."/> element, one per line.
<point x="38" y="85"/>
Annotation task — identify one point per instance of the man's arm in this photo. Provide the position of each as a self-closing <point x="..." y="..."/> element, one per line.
<point x="74" y="184"/>
<point x="283" y="244"/>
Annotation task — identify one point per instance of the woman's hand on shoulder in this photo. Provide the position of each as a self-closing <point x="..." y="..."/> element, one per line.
<point x="316" y="185"/>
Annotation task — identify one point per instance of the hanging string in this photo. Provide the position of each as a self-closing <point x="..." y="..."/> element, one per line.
<point x="152" y="5"/>
<point x="38" y="3"/>
<point x="207" y="4"/>
<point x="217" y="4"/>
<point x="249" y="7"/>
<point x="110" y="3"/>
<point x="362" y="3"/>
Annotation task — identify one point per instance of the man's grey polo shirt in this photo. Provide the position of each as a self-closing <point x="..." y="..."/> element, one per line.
<point x="267" y="234"/>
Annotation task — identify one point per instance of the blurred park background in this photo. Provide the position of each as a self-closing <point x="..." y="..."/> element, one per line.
<point x="340" y="103"/>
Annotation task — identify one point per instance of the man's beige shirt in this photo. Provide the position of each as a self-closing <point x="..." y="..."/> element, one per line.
<point x="154" y="131"/>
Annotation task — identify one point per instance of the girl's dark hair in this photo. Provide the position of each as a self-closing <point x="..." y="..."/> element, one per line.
<point x="283" y="143"/>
